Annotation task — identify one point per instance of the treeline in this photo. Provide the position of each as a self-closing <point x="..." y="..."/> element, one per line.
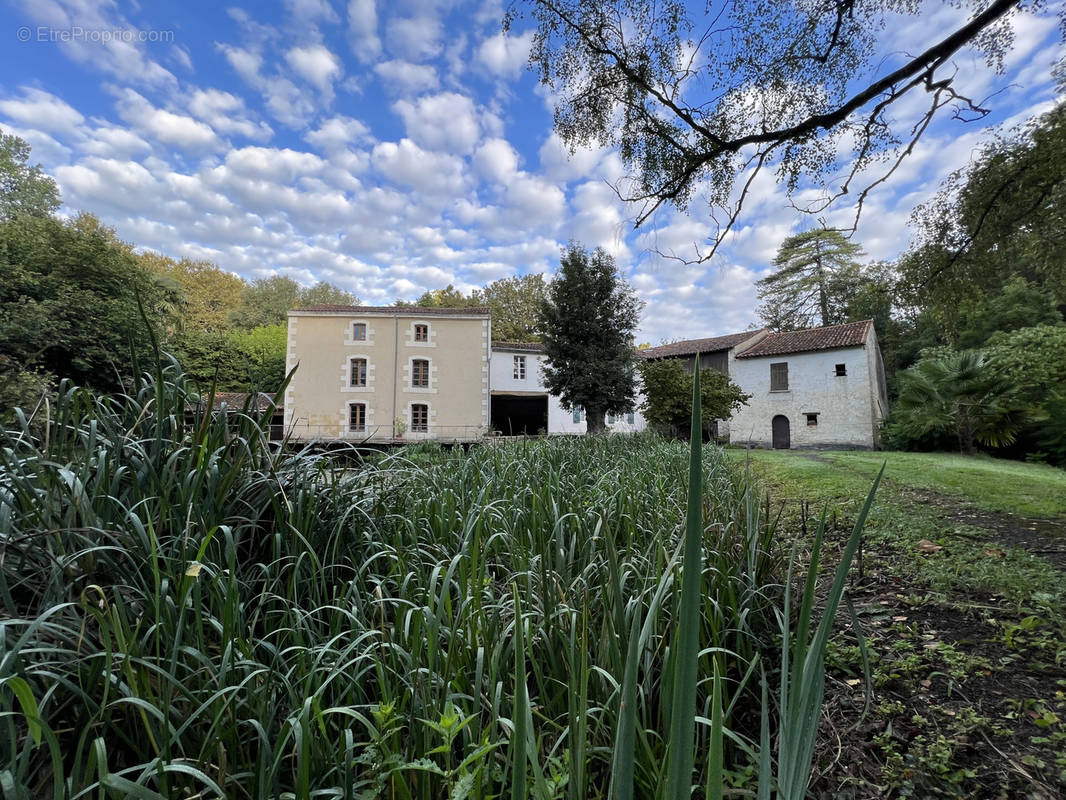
<point x="970" y="318"/>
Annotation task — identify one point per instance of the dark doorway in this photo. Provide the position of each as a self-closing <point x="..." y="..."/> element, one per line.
<point x="520" y="415"/>
<point x="782" y="440"/>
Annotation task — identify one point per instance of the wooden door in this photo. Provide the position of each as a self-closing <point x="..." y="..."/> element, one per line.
<point x="782" y="439"/>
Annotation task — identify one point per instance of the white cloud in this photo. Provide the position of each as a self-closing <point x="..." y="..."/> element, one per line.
<point x="405" y="77"/>
<point x="408" y="164"/>
<point x="41" y="110"/>
<point x="505" y="55"/>
<point x="310" y="12"/>
<point x="316" y="65"/>
<point x="337" y="133"/>
<point x="226" y="113"/>
<point x="496" y="160"/>
<point x="165" y="126"/>
<point x="415" y="38"/>
<point x="445" y="121"/>
<point x="363" y="30"/>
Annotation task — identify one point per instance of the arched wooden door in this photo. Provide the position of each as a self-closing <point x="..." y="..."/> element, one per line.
<point x="782" y="438"/>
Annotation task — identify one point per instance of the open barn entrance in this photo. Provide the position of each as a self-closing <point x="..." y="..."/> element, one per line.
<point x="520" y="414"/>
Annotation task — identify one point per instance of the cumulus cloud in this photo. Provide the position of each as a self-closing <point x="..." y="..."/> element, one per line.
<point x="363" y="30"/>
<point x="284" y="100"/>
<point x="415" y="38"/>
<point x="505" y="55"/>
<point x="407" y="164"/>
<point x="42" y="110"/>
<point x="447" y="121"/>
<point x="405" y="77"/>
<point x="226" y="113"/>
<point x="337" y="133"/>
<point x="310" y="12"/>
<point x="165" y="126"/>
<point x="317" y="65"/>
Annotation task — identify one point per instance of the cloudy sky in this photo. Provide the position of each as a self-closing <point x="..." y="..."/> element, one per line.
<point x="396" y="147"/>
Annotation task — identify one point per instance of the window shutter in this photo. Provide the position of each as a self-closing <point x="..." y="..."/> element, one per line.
<point x="779" y="377"/>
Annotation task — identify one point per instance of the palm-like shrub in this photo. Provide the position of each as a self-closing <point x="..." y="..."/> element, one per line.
<point x="953" y="394"/>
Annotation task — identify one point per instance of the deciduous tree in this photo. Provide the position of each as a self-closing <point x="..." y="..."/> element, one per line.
<point x="667" y="389"/>
<point x="24" y="189"/>
<point x="514" y="302"/>
<point x="587" y="322"/>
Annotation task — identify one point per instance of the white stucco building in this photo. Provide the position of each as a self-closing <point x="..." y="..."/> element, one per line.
<point x="521" y="404"/>
<point x="815" y="388"/>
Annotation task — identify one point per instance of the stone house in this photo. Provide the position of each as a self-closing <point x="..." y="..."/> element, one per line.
<point x="816" y="388"/>
<point x="384" y="373"/>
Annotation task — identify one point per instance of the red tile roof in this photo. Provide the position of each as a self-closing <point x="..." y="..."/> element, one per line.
<point x="851" y="334"/>
<point x="690" y="347"/>
<point x="426" y="311"/>
<point x="235" y="401"/>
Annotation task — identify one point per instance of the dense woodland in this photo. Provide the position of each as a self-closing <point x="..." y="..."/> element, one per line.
<point x="970" y="318"/>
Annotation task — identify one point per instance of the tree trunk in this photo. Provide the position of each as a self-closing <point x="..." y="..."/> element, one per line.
<point x="594" y="420"/>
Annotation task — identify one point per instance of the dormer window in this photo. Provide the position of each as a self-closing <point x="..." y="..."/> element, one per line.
<point x="421" y="333"/>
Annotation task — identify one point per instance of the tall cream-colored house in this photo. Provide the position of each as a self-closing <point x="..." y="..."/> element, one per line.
<point x="381" y="373"/>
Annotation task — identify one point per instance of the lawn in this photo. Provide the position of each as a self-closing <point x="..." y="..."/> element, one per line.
<point x="961" y="605"/>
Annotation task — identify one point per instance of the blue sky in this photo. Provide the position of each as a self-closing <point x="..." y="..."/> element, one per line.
<point x="396" y="147"/>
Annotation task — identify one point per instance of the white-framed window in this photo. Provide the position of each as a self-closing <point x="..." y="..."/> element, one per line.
<point x="420" y="373"/>
<point x="419" y="418"/>
<point x="519" y="368"/>
<point x="358" y="331"/>
<point x="357" y="417"/>
<point x="357" y="372"/>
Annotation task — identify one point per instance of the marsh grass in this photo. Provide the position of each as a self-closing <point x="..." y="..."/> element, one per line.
<point x="191" y="612"/>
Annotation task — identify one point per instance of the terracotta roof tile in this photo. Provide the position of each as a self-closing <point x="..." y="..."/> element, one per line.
<point x="235" y="401"/>
<point x="692" y="346"/>
<point x="851" y="334"/>
<point x="422" y="311"/>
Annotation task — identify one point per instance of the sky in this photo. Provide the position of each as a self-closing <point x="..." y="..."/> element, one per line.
<point x="391" y="148"/>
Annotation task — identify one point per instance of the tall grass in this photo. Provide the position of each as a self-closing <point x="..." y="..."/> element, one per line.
<point x="189" y="612"/>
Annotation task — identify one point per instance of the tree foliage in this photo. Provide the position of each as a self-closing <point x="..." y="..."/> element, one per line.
<point x="587" y="322"/>
<point x="1000" y="218"/>
<point x="448" y="297"/>
<point x="514" y="302"/>
<point x="24" y="189"/>
<point x="209" y="295"/>
<point x="667" y="389"/>
<point x="816" y="275"/>
<point x="69" y="293"/>
<point x="267" y="301"/>
<point x="705" y="96"/>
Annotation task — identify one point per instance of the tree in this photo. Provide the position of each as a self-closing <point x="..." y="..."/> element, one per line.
<point x="703" y="97"/>
<point x="448" y="297"/>
<point x="587" y="322"/>
<point x="210" y="295"/>
<point x="667" y="388"/>
<point x="1020" y="304"/>
<point x="23" y="189"/>
<point x="514" y="302"/>
<point x="262" y="351"/>
<point x="323" y="293"/>
<point x="816" y="276"/>
<point x="999" y="218"/>
<point x="71" y="295"/>
<point x="954" y="394"/>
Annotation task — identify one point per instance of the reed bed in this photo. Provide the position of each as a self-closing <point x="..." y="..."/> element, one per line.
<point x="189" y="612"/>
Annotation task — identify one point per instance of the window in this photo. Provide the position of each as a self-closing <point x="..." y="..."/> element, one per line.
<point x="812" y="420"/>
<point x="577" y="413"/>
<point x="357" y="417"/>
<point x="419" y="418"/>
<point x="519" y="368"/>
<point x="610" y="419"/>
<point x="779" y="377"/>
<point x="358" y="376"/>
<point x="842" y="370"/>
<point x="359" y="332"/>
<point x="420" y="373"/>
<point x="421" y="333"/>
<point x="631" y="418"/>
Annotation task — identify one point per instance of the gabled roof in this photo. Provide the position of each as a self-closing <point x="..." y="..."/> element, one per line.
<point x="519" y="347"/>
<point x="850" y="334"/>
<point x="420" y="311"/>
<point x="690" y="347"/>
